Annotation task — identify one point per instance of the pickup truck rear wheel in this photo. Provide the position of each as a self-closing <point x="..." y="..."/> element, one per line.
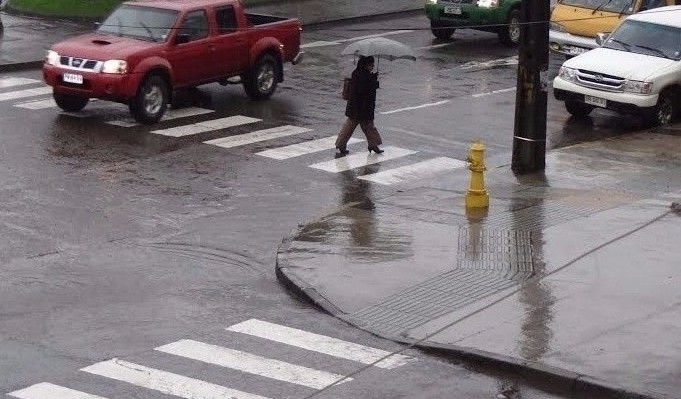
<point x="663" y="112"/>
<point x="151" y="100"/>
<point x="578" y="109"/>
<point x="69" y="102"/>
<point x="261" y="82"/>
<point x="441" y="32"/>
<point x="510" y="34"/>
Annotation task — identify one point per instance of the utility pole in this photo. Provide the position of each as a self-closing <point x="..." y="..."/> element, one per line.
<point x="529" y="132"/>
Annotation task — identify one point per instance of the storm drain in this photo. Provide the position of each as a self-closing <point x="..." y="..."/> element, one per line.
<point x="488" y="262"/>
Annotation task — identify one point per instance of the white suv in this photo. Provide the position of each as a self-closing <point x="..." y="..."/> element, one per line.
<point x="637" y="69"/>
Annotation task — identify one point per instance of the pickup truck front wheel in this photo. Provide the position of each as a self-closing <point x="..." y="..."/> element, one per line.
<point x="151" y="100"/>
<point x="261" y="82"/>
<point x="663" y="112"/>
<point x="510" y="34"/>
<point x="578" y="109"/>
<point x="69" y="102"/>
<point x="440" y="31"/>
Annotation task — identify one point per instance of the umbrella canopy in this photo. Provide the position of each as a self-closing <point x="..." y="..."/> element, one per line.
<point x="380" y="47"/>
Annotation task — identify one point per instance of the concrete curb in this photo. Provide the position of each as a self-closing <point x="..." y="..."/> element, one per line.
<point x="553" y="378"/>
<point x="27" y="65"/>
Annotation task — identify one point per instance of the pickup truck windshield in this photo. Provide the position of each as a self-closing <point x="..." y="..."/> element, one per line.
<point x="144" y="23"/>
<point x="647" y="38"/>
<point x="615" y="6"/>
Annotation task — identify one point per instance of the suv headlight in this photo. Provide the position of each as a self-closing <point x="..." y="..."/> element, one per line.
<point x="51" y="57"/>
<point x="557" y="27"/>
<point x="115" y="66"/>
<point x="488" y="3"/>
<point x="638" y="87"/>
<point x="569" y="74"/>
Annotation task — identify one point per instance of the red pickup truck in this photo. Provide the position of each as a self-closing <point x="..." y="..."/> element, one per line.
<point x="147" y="49"/>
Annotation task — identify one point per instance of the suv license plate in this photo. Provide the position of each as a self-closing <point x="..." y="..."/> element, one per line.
<point x="73" y="78"/>
<point x="599" y="102"/>
<point x="453" y="10"/>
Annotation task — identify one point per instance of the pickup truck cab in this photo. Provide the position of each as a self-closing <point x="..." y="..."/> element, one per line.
<point x="575" y="23"/>
<point x="146" y="49"/>
<point x="636" y="70"/>
<point x="498" y="16"/>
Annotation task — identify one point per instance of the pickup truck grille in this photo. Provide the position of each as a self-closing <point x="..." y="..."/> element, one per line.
<point x="80" y="64"/>
<point x="458" y="1"/>
<point x="600" y="81"/>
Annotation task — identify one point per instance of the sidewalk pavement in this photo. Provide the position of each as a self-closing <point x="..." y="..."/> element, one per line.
<point x="572" y="277"/>
<point x="25" y="39"/>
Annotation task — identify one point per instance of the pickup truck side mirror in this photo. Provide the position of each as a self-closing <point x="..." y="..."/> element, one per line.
<point x="601" y="38"/>
<point x="182" y="38"/>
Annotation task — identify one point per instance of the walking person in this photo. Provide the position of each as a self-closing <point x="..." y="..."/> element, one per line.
<point x="360" y="107"/>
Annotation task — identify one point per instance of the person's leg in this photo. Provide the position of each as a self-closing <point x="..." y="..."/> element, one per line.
<point x="373" y="137"/>
<point x="345" y="133"/>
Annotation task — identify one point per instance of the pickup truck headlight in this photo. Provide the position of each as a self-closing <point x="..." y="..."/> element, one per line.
<point x="638" y="87"/>
<point x="52" y="57"/>
<point x="488" y="3"/>
<point x="569" y="74"/>
<point x="557" y="27"/>
<point x="115" y="66"/>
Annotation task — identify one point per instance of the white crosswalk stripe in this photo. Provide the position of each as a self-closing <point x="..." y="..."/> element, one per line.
<point x="11" y="82"/>
<point x="206" y="126"/>
<point x="14" y="95"/>
<point x="165" y="382"/>
<point x="253" y="364"/>
<point x="39" y="104"/>
<point x="319" y="343"/>
<point x="308" y="147"/>
<point x="414" y="171"/>
<point x="257" y="136"/>
<point x="45" y="390"/>
<point x="169" y="115"/>
<point x="358" y="160"/>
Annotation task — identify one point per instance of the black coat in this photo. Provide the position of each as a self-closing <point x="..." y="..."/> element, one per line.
<point x="362" y="100"/>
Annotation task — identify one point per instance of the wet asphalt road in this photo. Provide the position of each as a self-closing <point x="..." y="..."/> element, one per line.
<point x="117" y="240"/>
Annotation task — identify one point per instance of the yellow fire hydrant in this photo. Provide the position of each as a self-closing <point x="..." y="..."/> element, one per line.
<point x="477" y="196"/>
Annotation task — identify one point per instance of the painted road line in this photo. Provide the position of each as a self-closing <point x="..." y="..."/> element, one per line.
<point x="45" y="390"/>
<point x="165" y="382"/>
<point x="170" y="115"/>
<point x="510" y="89"/>
<point x="435" y="46"/>
<point x="252" y="364"/>
<point x="415" y="107"/>
<point x="13" y="95"/>
<point x="320" y="43"/>
<point x="11" y="82"/>
<point x="319" y="343"/>
<point x="492" y="63"/>
<point x="414" y="171"/>
<point x="206" y="126"/>
<point x="40" y="104"/>
<point x="391" y="33"/>
<point x="308" y="147"/>
<point x="358" y="160"/>
<point x="257" y="136"/>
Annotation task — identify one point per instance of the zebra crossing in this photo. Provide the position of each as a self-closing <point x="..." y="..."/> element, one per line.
<point x="30" y="94"/>
<point x="195" y="352"/>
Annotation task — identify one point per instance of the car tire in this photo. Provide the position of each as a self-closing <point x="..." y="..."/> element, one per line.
<point x="69" y="102"/>
<point x="578" y="109"/>
<point x="441" y="32"/>
<point x="510" y="33"/>
<point x="664" y="111"/>
<point x="151" y="100"/>
<point x="261" y="82"/>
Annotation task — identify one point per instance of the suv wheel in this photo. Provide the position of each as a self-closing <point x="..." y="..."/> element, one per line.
<point x="578" y="109"/>
<point x="261" y="82"/>
<point x="151" y="100"/>
<point x="663" y="112"/>
<point x="69" y="102"/>
<point x="441" y="32"/>
<point x="510" y="33"/>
